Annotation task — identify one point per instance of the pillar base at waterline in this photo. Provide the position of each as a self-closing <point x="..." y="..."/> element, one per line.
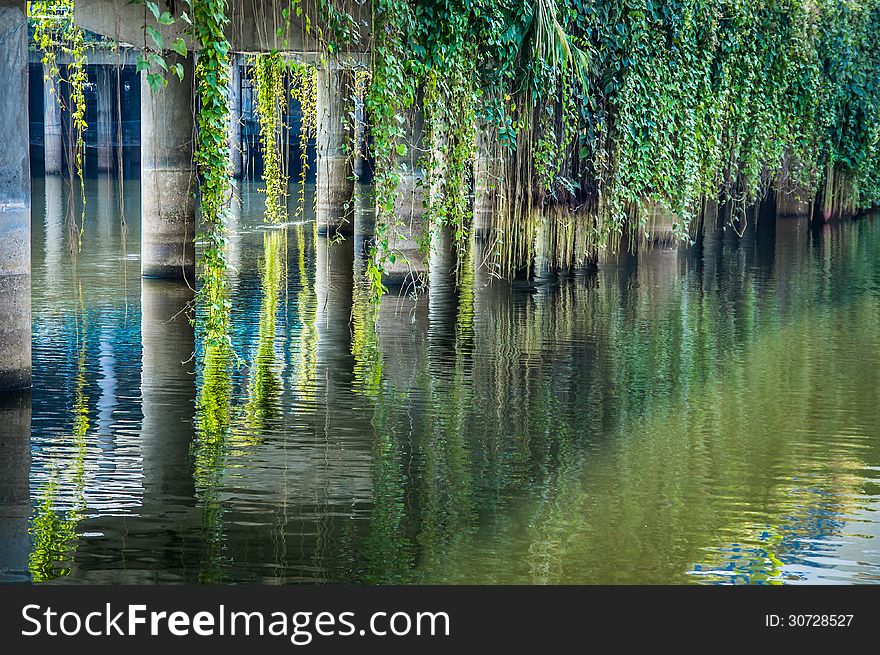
<point x="15" y="332"/>
<point x="167" y="247"/>
<point x="406" y="242"/>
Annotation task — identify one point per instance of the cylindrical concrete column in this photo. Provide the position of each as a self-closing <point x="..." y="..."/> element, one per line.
<point x="235" y="159"/>
<point x="168" y="390"/>
<point x="406" y="239"/>
<point x="104" y="126"/>
<point x="359" y="146"/>
<point x="53" y="144"/>
<point x="334" y="177"/>
<point x="487" y="167"/>
<point x="15" y="500"/>
<point x="15" y="201"/>
<point x="168" y="176"/>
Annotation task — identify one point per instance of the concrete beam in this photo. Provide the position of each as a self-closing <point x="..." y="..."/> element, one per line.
<point x="15" y="200"/>
<point x="253" y="24"/>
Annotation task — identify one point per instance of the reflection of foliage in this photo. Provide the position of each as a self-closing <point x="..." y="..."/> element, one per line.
<point x="365" y="342"/>
<point x="307" y="303"/>
<point x="211" y="154"/>
<point x="270" y="80"/>
<point x="388" y="550"/>
<point x="54" y="34"/>
<point x="54" y="529"/>
<point x="744" y="564"/>
<point x="54" y="537"/>
<point x="213" y="413"/>
<point x="265" y="385"/>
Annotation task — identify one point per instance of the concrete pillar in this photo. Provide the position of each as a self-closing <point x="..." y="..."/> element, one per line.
<point x="487" y="166"/>
<point x="104" y="126"/>
<point x="235" y="158"/>
<point x="360" y="146"/>
<point x="168" y="176"/>
<point x="334" y="177"/>
<point x="544" y="269"/>
<point x="15" y="468"/>
<point x="624" y="255"/>
<point x="406" y="238"/>
<point x="53" y="144"/>
<point x="15" y="201"/>
<point x="168" y="389"/>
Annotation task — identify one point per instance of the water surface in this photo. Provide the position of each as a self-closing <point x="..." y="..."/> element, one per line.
<point x="704" y="417"/>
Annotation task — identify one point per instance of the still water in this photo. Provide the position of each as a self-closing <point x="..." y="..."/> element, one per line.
<point x="709" y="417"/>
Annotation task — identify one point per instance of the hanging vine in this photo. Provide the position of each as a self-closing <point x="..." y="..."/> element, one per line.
<point x="269" y="72"/>
<point x="56" y="35"/>
<point x="211" y="154"/>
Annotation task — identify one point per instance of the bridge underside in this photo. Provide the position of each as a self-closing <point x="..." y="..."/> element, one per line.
<point x="254" y="25"/>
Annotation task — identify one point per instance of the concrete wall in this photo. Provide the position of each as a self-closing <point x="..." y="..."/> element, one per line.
<point x="253" y="24"/>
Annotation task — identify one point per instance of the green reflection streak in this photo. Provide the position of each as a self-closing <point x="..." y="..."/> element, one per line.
<point x="264" y="390"/>
<point x="388" y="550"/>
<point x="365" y="341"/>
<point x="718" y="426"/>
<point x="305" y="369"/>
<point x="54" y="529"/>
<point x="210" y="454"/>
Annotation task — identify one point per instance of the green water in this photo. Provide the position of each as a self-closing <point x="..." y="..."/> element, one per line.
<point x="710" y="416"/>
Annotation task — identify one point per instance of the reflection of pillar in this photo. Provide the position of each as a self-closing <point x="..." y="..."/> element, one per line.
<point x="15" y="201"/>
<point x="405" y="239"/>
<point x="53" y="146"/>
<point x="105" y="119"/>
<point x="623" y="256"/>
<point x="235" y="118"/>
<point x="442" y="291"/>
<point x="334" y="177"/>
<point x="765" y="229"/>
<point x="401" y="325"/>
<point x="334" y="288"/>
<point x="168" y="388"/>
<point x="15" y="467"/>
<point x="710" y="240"/>
<point x="167" y="176"/>
<point x="659" y="272"/>
<point x="107" y="383"/>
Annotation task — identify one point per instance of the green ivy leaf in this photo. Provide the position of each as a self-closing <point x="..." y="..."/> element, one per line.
<point x="179" y="46"/>
<point x="156" y="36"/>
